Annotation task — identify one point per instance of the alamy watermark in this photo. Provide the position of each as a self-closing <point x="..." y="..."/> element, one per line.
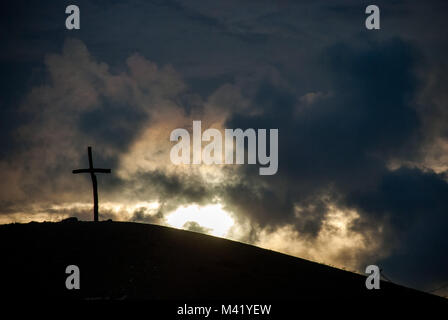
<point x="229" y="151"/>
<point x="72" y="281"/>
<point x="373" y="280"/>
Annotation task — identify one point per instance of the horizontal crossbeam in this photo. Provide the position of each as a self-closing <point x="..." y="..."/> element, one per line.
<point x="94" y="170"/>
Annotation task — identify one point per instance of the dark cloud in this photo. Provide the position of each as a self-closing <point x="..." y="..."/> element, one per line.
<point x="337" y="150"/>
<point x="112" y="124"/>
<point x="411" y="200"/>
<point x="194" y="226"/>
<point x="175" y="189"/>
<point x="339" y="144"/>
<point x="143" y="215"/>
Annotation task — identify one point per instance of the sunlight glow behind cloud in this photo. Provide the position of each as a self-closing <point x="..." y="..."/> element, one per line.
<point x="211" y="217"/>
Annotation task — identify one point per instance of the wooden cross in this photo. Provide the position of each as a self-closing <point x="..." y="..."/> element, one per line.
<point x="92" y="172"/>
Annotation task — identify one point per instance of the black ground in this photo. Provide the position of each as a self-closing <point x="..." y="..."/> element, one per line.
<point x="141" y="261"/>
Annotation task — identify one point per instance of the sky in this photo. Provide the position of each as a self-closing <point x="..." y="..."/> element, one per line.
<point x="361" y="114"/>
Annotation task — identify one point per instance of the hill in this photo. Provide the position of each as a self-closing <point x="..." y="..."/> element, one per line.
<point x="120" y="260"/>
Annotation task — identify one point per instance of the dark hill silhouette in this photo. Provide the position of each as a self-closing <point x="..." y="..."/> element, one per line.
<point x="120" y="260"/>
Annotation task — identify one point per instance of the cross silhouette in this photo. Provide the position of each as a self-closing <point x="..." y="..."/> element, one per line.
<point x="92" y="172"/>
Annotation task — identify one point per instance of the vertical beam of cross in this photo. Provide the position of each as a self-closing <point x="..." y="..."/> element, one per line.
<point x="95" y="185"/>
<point x="92" y="172"/>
